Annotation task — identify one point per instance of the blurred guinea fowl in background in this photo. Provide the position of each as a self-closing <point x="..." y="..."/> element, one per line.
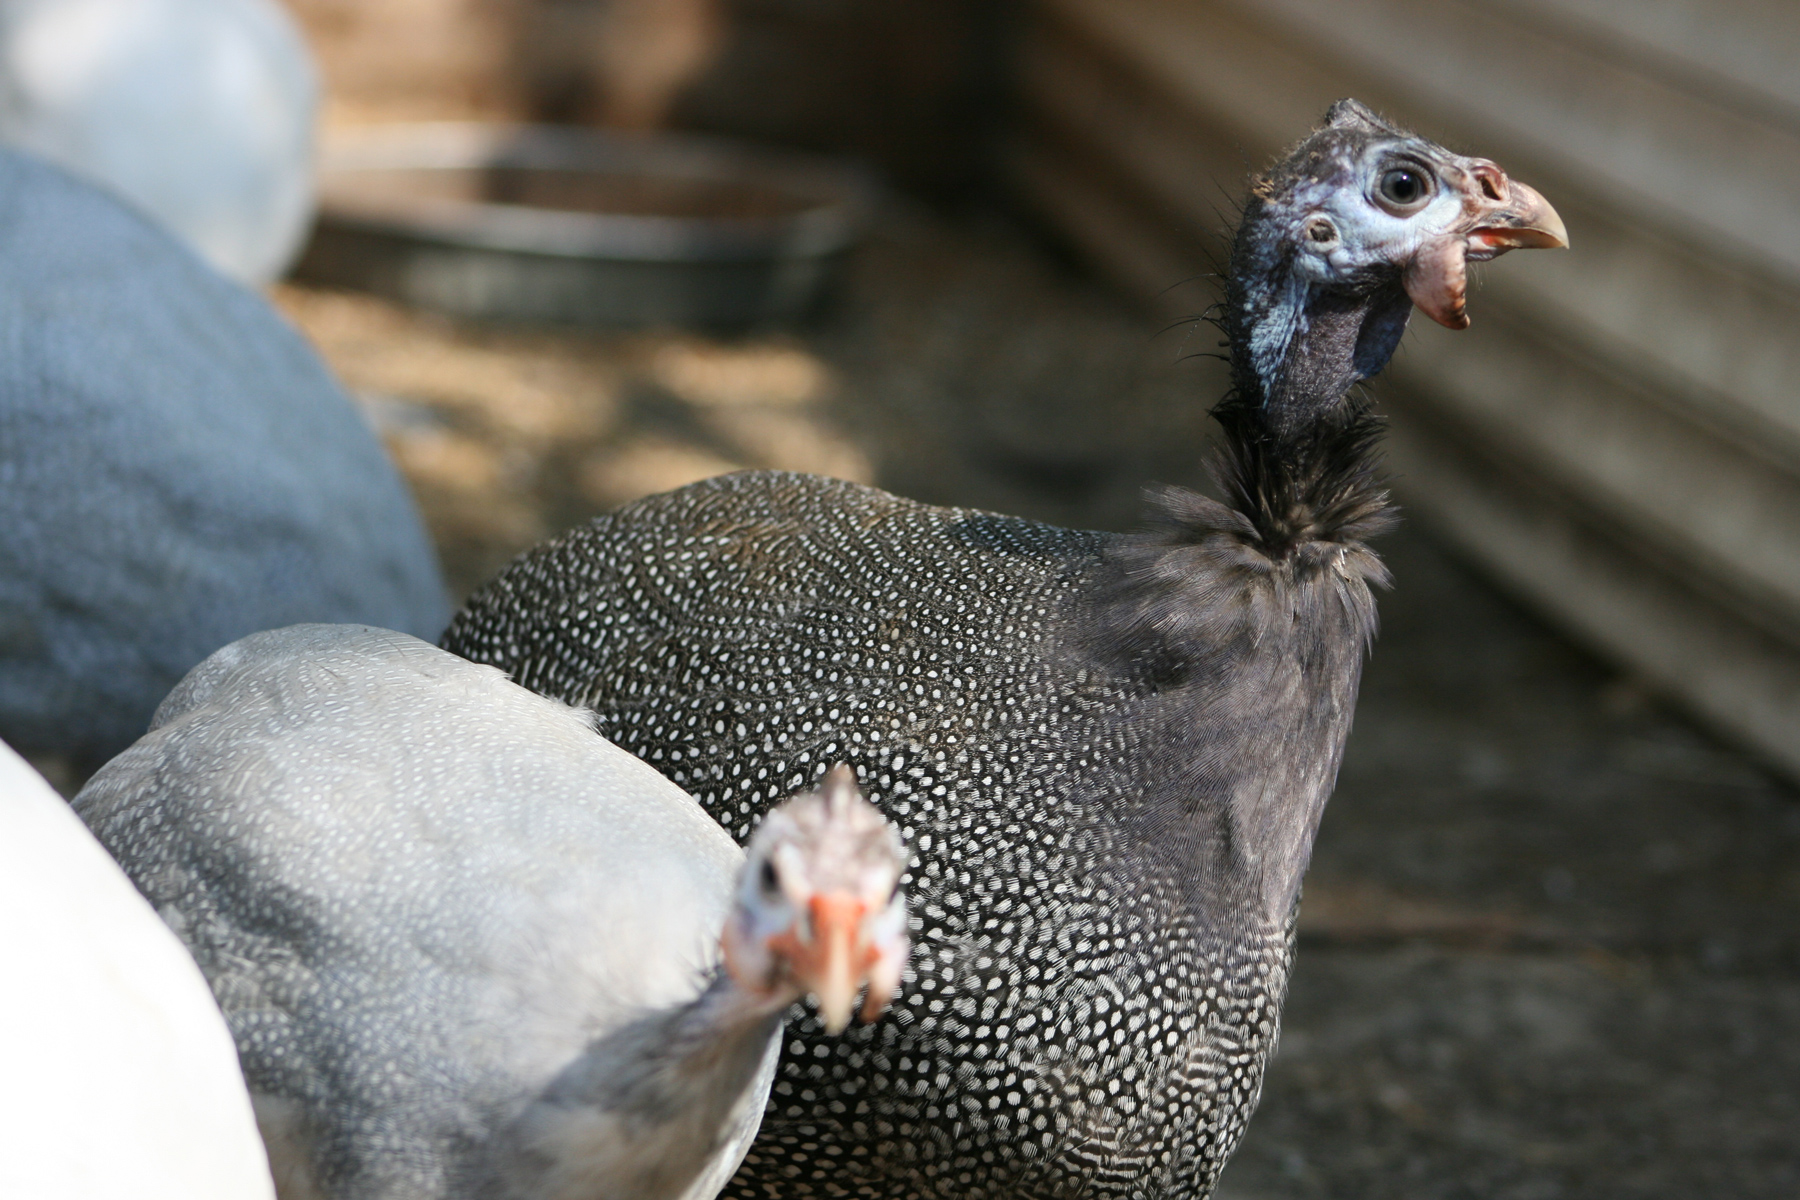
<point x="199" y="112"/>
<point x="1110" y="752"/>
<point x="120" y="1078"/>
<point x="469" y="948"/>
<point x="179" y="470"/>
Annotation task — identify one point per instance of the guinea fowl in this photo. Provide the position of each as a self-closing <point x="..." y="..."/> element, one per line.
<point x="120" y="1076"/>
<point x="179" y="471"/>
<point x="465" y="946"/>
<point x="1110" y="753"/>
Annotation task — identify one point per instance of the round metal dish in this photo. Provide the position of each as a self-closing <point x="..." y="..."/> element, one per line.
<point x="540" y="223"/>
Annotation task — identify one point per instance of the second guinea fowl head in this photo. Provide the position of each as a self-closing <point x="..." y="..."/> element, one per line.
<point x="1341" y="238"/>
<point x="819" y="908"/>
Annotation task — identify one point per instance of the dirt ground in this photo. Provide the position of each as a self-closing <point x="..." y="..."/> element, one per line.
<point x="1551" y="940"/>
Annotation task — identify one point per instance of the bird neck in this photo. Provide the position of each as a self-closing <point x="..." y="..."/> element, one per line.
<point x="709" y="1045"/>
<point x="649" y="1105"/>
<point x="1298" y="344"/>
<point x="1244" y="620"/>
<point x="1298" y="454"/>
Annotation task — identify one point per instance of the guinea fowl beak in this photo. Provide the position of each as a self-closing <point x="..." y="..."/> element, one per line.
<point x="1500" y="215"/>
<point x="1526" y="223"/>
<point x="838" y="957"/>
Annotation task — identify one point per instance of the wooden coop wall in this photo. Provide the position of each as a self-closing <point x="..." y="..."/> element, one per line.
<point x="907" y="85"/>
<point x="1618" y="437"/>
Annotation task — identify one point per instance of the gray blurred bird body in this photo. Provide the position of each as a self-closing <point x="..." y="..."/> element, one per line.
<point x="1110" y="753"/>
<point x="465" y="946"/>
<point x="179" y="471"/>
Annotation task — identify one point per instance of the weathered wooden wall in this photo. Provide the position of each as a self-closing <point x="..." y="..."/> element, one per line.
<point x="1618" y="437"/>
<point x="908" y="85"/>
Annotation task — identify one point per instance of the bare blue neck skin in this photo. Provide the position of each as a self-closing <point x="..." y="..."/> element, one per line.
<point x="1299" y="346"/>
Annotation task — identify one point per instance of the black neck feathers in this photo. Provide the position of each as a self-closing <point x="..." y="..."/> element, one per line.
<point x="1245" y="618"/>
<point x="1300" y="494"/>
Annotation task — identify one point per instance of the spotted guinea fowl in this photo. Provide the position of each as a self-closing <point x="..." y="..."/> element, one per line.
<point x="468" y="948"/>
<point x="1110" y="753"/>
<point x="120" y="1076"/>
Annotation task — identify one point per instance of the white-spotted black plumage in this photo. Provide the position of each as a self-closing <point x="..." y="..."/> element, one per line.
<point x="1109" y="754"/>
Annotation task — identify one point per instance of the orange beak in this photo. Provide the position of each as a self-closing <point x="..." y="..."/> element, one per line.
<point x="1504" y="215"/>
<point x="835" y="960"/>
<point x="1527" y="222"/>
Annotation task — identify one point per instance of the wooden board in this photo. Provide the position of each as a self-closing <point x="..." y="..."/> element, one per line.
<point x="1731" y="674"/>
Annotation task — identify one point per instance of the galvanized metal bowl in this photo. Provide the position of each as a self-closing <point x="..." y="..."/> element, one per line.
<point x="549" y="224"/>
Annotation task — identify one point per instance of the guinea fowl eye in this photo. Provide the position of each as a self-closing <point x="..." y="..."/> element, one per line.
<point x="771" y="883"/>
<point x="1404" y="187"/>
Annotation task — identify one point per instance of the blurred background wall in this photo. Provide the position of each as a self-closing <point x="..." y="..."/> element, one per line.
<point x="913" y="86"/>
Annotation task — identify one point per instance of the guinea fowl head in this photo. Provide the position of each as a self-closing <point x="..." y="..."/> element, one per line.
<point x="819" y="907"/>
<point x="1341" y="238"/>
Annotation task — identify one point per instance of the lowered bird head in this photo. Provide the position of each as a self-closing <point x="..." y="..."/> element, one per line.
<point x="1340" y="239"/>
<point x="819" y="908"/>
